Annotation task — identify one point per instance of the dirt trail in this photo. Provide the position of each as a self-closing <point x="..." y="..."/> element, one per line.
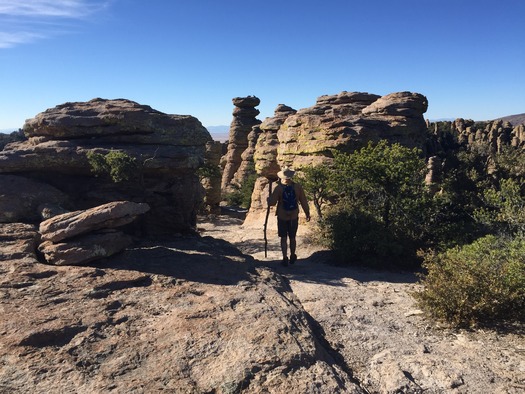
<point x="373" y="326"/>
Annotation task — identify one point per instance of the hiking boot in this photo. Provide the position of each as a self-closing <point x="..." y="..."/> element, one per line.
<point x="284" y="263"/>
<point x="293" y="258"/>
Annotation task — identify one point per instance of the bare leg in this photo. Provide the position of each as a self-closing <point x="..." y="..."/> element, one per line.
<point x="284" y="247"/>
<point x="293" y="256"/>
<point x="293" y="246"/>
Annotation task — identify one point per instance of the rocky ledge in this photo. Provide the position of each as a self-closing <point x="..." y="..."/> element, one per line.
<point x="195" y="314"/>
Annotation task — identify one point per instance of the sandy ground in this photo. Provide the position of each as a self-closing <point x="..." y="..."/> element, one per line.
<point x="371" y="322"/>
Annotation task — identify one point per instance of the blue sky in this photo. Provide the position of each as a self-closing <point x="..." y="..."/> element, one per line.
<point x="193" y="56"/>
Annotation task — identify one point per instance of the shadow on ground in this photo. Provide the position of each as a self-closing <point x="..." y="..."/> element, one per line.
<point x="192" y="258"/>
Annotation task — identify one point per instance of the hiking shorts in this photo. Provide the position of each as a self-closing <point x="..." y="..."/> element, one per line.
<point x="287" y="227"/>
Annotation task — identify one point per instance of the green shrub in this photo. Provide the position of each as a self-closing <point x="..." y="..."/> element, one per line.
<point x="118" y="165"/>
<point x="476" y="283"/>
<point x="358" y="238"/>
<point x="242" y="196"/>
<point x="504" y="210"/>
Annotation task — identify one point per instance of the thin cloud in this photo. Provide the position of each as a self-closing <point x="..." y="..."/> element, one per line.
<point x="26" y="21"/>
<point x="8" y="40"/>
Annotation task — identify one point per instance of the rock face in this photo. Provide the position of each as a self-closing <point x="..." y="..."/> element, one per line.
<point x="244" y="118"/>
<point x="247" y="167"/>
<point x="167" y="150"/>
<point x="344" y="122"/>
<point x="22" y="199"/>
<point x="80" y="237"/>
<point x="266" y="165"/>
<point x="348" y="121"/>
<point x="266" y="149"/>
<point x="188" y="315"/>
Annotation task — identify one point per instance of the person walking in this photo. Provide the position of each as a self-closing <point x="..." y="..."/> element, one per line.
<point x="288" y="195"/>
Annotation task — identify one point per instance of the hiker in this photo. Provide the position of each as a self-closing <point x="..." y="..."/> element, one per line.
<point x="287" y="195"/>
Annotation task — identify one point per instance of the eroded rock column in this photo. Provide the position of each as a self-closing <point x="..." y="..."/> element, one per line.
<point x="244" y="118"/>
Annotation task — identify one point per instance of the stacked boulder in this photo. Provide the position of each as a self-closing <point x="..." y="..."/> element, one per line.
<point x="244" y="118"/>
<point x="166" y="151"/>
<point x="80" y="237"/>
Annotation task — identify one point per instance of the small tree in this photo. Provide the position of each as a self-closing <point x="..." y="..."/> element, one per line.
<point x="386" y="181"/>
<point x="504" y="210"/>
<point x="117" y="164"/>
<point x="382" y="205"/>
<point x="315" y="182"/>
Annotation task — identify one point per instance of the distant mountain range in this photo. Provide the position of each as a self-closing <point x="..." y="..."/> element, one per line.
<point x="514" y="119"/>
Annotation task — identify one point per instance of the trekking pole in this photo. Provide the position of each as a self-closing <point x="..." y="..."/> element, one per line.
<point x="266" y="219"/>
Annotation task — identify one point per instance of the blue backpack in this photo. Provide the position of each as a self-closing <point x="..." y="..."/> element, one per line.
<point x="289" y="198"/>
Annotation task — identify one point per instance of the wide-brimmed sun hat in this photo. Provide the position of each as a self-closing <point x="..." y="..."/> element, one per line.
<point x="286" y="173"/>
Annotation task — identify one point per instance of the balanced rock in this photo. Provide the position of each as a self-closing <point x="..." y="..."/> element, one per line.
<point x="244" y="118"/>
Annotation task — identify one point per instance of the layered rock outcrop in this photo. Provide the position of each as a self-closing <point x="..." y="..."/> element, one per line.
<point x="244" y="118"/>
<point x="461" y="132"/>
<point x="343" y="122"/>
<point x="166" y="150"/>
<point x="80" y="237"/>
<point x="348" y="121"/>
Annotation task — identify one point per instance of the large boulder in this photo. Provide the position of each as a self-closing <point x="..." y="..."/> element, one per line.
<point x="80" y="237"/>
<point x="21" y="199"/>
<point x="166" y="150"/>
<point x="348" y="121"/>
<point x="117" y="120"/>
<point x="85" y="248"/>
<point x="111" y="215"/>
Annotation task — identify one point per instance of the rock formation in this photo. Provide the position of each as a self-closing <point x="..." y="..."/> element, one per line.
<point x="446" y="136"/>
<point x="348" y="121"/>
<point x="344" y="122"/>
<point x="80" y="237"/>
<point x="244" y="118"/>
<point x="265" y="163"/>
<point x="166" y="149"/>
<point x="188" y="315"/>
<point x="266" y="149"/>
<point x="247" y="167"/>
